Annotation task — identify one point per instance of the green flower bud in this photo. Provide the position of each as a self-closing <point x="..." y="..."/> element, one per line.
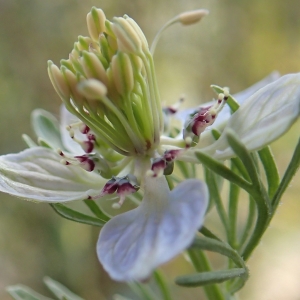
<point x="95" y="22"/>
<point x="127" y="38"/>
<point x="122" y="73"/>
<point x="58" y="81"/>
<point x="92" y="89"/>
<point x="93" y="67"/>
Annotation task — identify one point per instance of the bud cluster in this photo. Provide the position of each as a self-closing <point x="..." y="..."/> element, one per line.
<point x="108" y="82"/>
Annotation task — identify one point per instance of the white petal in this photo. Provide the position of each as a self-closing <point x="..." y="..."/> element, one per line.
<point x="240" y="97"/>
<point x="133" y="244"/>
<point x="206" y="137"/>
<point x="66" y="118"/>
<point x="261" y="119"/>
<point x="245" y="94"/>
<point x="37" y="174"/>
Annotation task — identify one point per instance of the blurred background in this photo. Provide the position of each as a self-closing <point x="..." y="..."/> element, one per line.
<point x="238" y="44"/>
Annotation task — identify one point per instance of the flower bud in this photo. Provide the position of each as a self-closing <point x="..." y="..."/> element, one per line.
<point x="58" y="81"/>
<point x="72" y="82"/>
<point x="122" y="73"/>
<point x="139" y="32"/>
<point x="127" y="38"/>
<point x="92" y="89"/>
<point x="84" y="43"/>
<point x="93" y="67"/>
<point x="95" y="23"/>
<point x="193" y="16"/>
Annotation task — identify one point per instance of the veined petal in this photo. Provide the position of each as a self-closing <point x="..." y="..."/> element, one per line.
<point x="240" y="97"/>
<point x="133" y="244"/>
<point x="261" y="119"/>
<point x="66" y="119"/>
<point x="37" y="174"/>
<point x="206" y="137"/>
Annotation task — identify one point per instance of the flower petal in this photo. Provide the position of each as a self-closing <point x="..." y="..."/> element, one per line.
<point x="240" y="97"/>
<point x="37" y="174"/>
<point x="46" y="127"/>
<point x="261" y="119"/>
<point x="133" y="244"/>
<point x="66" y="118"/>
<point x="206" y="137"/>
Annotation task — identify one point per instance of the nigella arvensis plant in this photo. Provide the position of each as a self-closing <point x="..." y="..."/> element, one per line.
<point x="117" y="142"/>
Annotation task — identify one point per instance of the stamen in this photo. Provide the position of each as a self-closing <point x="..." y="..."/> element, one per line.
<point x="158" y="166"/>
<point x="172" y="109"/>
<point x="83" y="161"/>
<point x="205" y="117"/>
<point x="122" y="185"/>
<point x="87" y="146"/>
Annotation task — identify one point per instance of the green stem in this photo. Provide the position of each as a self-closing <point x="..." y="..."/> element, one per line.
<point x="96" y="210"/>
<point x="142" y="290"/>
<point x="287" y="177"/>
<point x="214" y="193"/>
<point x="249" y="223"/>
<point x="264" y="218"/>
<point x="201" y="263"/>
<point x="232" y="213"/>
<point x="206" y="232"/>
<point x="160" y="280"/>
<point x="271" y="171"/>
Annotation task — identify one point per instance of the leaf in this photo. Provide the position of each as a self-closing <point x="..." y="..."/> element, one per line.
<point x="22" y="292"/>
<point x="60" y="291"/>
<point x="46" y="128"/>
<point x="29" y="142"/>
<point x="212" y="277"/>
<point x="76" y="216"/>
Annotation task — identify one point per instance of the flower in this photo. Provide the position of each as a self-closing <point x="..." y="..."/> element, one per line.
<point x="114" y="120"/>
<point x="262" y="118"/>
<point x="118" y="142"/>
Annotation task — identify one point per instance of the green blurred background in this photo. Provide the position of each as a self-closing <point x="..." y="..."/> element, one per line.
<point x="239" y="43"/>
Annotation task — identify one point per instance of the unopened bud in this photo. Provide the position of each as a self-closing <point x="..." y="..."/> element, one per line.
<point x="139" y="32"/>
<point x="95" y="23"/>
<point x="93" y="67"/>
<point x="122" y="73"/>
<point x="84" y="43"/>
<point x="193" y="16"/>
<point x="72" y="82"/>
<point x="58" y="80"/>
<point x="92" y="89"/>
<point x="127" y="38"/>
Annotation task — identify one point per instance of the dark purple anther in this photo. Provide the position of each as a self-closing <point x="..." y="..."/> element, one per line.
<point x="158" y="165"/>
<point x="84" y="129"/>
<point x="110" y="187"/>
<point x="86" y="163"/>
<point x="87" y="146"/>
<point x="126" y="188"/>
<point x="171" y="155"/>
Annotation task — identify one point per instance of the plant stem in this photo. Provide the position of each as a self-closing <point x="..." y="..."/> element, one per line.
<point x="201" y="263"/>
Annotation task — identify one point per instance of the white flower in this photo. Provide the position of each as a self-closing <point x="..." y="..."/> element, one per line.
<point x="262" y="118"/>
<point x="115" y="144"/>
<point x="112" y="146"/>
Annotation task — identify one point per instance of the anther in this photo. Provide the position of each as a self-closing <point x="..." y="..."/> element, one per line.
<point x="158" y="166"/>
<point x="87" y="146"/>
<point x="84" y="161"/>
<point x="172" y="109"/>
